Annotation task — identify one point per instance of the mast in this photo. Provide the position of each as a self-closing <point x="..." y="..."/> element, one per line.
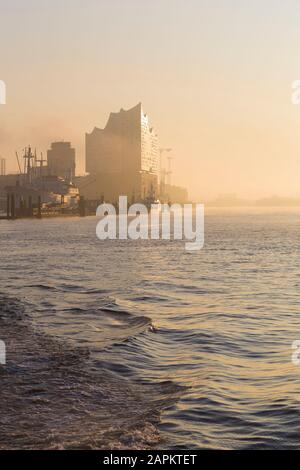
<point x="28" y="156"/>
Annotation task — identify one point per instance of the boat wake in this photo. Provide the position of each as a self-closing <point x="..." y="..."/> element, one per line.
<point x="52" y="398"/>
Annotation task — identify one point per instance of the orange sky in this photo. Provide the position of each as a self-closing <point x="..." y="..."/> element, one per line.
<point x="214" y="76"/>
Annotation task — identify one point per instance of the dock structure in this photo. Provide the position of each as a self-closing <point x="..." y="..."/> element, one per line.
<point x="82" y="206"/>
<point x="37" y="192"/>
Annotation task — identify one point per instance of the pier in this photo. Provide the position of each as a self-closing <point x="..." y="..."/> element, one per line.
<point x="22" y="208"/>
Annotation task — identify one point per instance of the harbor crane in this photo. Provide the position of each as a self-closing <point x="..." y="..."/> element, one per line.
<point x="163" y="172"/>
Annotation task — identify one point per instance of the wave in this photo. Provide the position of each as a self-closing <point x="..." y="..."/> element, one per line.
<point x="68" y="288"/>
<point x="52" y="398"/>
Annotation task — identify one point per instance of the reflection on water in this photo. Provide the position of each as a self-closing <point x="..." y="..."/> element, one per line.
<point x="220" y="321"/>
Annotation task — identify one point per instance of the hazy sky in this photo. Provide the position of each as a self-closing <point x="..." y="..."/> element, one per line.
<point x="214" y="77"/>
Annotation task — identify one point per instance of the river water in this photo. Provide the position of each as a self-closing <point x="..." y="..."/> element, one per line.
<point x="213" y="327"/>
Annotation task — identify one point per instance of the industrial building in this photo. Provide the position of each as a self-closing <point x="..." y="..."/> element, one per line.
<point x="61" y="160"/>
<point x="50" y="184"/>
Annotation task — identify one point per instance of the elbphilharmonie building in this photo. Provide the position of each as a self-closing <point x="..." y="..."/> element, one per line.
<point x="123" y="158"/>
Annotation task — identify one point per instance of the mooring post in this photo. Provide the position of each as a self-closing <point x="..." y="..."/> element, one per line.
<point x="30" y="211"/>
<point x="25" y="212"/>
<point x="21" y="211"/>
<point x="39" y="214"/>
<point x="12" y="206"/>
<point x="81" y="206"/>
<point x="8" y="205"/>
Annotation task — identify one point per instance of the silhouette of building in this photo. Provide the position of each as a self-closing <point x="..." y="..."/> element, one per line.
<point x="61" y="160"/>
<point x="122" y="158"/>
